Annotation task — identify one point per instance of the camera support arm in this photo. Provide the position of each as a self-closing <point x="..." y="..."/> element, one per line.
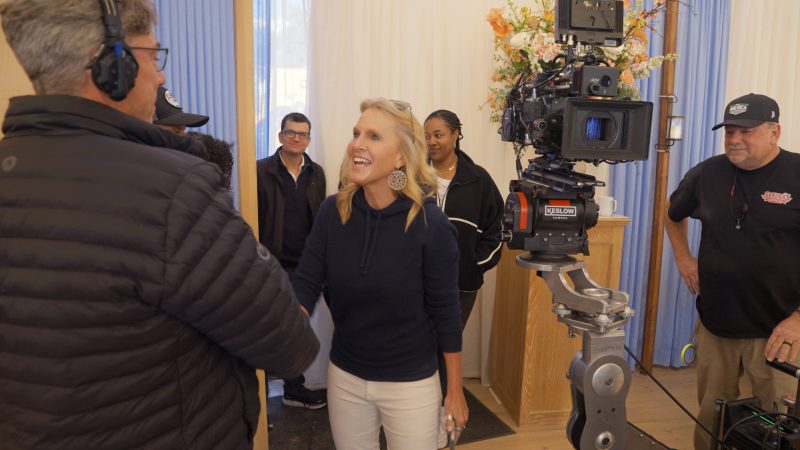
<point x="599" y="376"/>
<point x="585" y="305"/>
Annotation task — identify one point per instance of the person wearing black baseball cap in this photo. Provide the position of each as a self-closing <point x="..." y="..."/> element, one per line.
<point x="750" y="111"/>
<point x="746" y="277"/>
<point x="751" y="131"/>
<point x="170" y="115"/>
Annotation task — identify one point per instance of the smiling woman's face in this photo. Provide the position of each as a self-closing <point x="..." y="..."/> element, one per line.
<point x="374" y="151"/>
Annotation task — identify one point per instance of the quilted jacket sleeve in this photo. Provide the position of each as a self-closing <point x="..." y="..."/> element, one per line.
<point x="223" y="283"/>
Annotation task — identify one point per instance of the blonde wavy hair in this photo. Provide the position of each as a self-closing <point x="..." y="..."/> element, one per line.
<point x="421" y="177"/>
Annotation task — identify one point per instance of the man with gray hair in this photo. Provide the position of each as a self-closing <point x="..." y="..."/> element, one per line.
<point x="134" y="300"/>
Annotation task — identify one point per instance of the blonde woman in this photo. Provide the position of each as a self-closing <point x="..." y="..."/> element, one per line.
<point x="390" y="261"/>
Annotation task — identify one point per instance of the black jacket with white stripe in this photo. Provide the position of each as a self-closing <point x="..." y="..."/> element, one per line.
<point x="475" y="208"/>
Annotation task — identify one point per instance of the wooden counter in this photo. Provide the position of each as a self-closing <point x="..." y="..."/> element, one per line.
<point x="530" y="350"/>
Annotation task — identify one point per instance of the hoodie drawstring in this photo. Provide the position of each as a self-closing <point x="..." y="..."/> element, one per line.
<point x="366" y="252"/>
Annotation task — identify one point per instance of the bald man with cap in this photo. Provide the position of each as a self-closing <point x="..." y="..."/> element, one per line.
<point x="170" y="115"/>
<point x="747" y="273"/>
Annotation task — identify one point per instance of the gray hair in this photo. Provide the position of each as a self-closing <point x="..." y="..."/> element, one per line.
<point x="55" y="41"/>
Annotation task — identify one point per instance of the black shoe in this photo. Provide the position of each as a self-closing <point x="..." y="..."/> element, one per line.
<point x="306" y="398"/>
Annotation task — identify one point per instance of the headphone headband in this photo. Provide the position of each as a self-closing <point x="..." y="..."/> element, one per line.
<point x="111" y="20"/>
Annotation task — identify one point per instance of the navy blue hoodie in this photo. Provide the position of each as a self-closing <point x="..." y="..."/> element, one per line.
<point x="393" y="293"/>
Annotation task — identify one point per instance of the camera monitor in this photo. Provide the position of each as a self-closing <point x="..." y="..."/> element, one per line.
<point x="606" y="129"/>
<point x="597" y="22"/>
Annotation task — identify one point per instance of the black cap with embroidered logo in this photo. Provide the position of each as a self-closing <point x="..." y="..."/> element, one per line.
<point x="750" y="111"/>
<point x="169" y="112"/>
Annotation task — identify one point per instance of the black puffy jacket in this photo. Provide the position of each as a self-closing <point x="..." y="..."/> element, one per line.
<point x="475" y="208"/>
<point x="133" y="300"/>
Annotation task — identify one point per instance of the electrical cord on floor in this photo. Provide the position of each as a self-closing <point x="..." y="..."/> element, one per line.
<point x="669" y="394"/>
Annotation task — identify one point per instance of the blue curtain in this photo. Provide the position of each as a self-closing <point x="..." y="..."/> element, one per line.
<point x="261" y="17"/>
<point x="201" y="65"/>
<point x="700" y="88"/>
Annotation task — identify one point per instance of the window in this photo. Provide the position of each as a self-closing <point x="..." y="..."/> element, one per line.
<point x="281" y="66"/>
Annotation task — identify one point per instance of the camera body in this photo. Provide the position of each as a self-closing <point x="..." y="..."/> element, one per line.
<point x="572" y="114"/>
<point x="569" y="115"/>
<point x="549" y="211"/>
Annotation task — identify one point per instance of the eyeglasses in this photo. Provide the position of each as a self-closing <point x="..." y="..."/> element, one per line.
<point x="161" y="54"/>
<point x="402" y="106"/>
<point x="296" y="134"/>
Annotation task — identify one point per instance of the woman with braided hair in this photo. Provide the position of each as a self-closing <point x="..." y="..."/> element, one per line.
<point x="469" y="197"/>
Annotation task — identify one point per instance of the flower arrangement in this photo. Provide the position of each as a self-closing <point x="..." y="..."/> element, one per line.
<point x="524" y="43"/>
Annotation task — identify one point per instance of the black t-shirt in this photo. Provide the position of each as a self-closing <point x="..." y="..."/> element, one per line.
<point x="749" y="277"/>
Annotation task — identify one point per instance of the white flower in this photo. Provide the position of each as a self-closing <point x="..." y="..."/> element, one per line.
<point x="545" y="48"/>
<point x="637" y="47"/>
<point x="641" y="69"/>
<point x="520" y="40"/>
<point x="613" y="52"/>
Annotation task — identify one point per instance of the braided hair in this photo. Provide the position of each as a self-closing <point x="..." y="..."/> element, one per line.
<point x="452" y="121"/>
<point x="218" y="152"/>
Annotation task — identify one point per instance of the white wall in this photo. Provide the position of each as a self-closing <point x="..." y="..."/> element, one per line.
<point x="764" y="57"/>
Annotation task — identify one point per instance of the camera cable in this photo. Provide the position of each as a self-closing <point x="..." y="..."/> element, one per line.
<point x="672" y="397"/>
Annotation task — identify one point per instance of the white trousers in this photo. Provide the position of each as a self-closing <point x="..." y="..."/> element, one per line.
<point x="408" y="411"/>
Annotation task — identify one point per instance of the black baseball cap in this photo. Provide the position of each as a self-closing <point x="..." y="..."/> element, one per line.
<point x="750" y="111"/>
<point x="169" y="112"/>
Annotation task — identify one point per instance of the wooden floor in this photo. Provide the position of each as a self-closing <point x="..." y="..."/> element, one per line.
<point x="648" y="408"/>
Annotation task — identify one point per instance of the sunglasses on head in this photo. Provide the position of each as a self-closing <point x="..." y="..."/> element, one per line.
<point x="402" y="106"/>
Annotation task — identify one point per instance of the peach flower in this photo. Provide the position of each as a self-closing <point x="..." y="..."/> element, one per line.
<point x="490" y="100"/>
<point x="494" y="14"/>
<point x="500" y="25"/>
<point x="626" y="77"/>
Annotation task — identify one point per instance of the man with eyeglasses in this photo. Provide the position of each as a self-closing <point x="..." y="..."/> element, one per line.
<point x="291" y="188"/>
<point x="134" y="300"/>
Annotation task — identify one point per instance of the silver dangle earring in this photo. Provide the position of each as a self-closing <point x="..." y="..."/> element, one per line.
<point x="397" y="180"/>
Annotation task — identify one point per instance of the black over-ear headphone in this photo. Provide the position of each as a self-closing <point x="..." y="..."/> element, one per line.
<point x="114" y="68"/>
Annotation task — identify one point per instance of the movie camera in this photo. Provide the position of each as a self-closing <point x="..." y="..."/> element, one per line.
<point x="569" y="115"/>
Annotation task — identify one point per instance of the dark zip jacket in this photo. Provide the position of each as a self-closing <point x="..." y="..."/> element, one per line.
<point x="134" y="303"/>
<point x="475" y="208"/>
<point x="272" y="199"/>
<point x="393" y="294"/>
